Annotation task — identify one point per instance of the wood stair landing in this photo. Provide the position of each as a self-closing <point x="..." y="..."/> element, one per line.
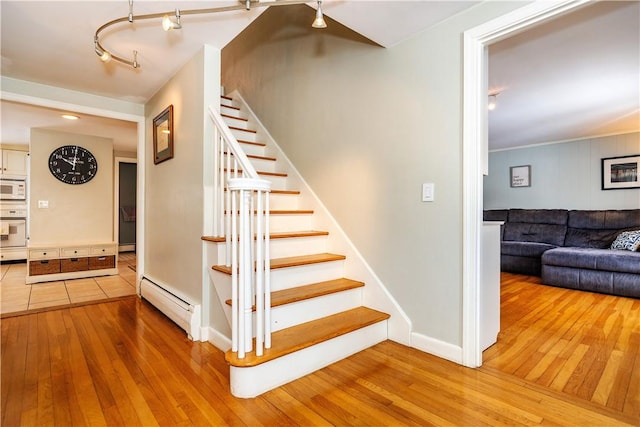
<point x="301" y="293"/>
<point x="307" y="334"/>
<point x="292" y="261"/>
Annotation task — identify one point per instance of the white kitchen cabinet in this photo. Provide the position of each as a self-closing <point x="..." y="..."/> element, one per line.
<point x="14" y="162"/>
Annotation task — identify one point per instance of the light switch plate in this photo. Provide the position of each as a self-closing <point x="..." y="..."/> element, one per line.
<point x="428" y="192"/>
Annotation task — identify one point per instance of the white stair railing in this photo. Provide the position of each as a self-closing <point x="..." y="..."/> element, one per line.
<point x="241" y="216"/>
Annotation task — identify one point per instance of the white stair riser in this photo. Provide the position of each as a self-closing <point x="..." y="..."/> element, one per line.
<point x="288" y="315"/>
<point x="283" y="201"/>
<point x="280" y="248"/>
<point x="250" y="382"/>
<point x="237" y="123"/>
<point x="256" y="150"/>
<point x="233" y="112"/>
<point x="291" y="277"/>
<point x="226" y="101"/>
<point x="290" y="222"/>
<point x="259" y="164"/>
<point x="279" y="182"/>
<point x="244" y="135"/>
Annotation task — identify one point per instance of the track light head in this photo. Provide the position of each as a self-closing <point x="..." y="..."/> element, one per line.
<point x="168" y="24"/>
<point x="319" y="21"/>
<point x="102" y="54"/>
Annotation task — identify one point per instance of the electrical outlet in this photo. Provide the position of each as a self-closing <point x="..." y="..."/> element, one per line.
<point x="43" y="204"/>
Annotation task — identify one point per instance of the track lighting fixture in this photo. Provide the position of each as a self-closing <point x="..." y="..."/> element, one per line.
<point x="168" y="24"/>
<point x="319" y="21"/>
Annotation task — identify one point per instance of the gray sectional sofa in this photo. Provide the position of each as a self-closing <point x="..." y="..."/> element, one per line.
<point x="570" y="248"/>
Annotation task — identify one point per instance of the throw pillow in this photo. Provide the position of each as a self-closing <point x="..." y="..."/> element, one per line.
<point x="627" y="240"/>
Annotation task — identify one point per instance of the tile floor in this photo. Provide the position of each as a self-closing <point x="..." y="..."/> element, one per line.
<point x="16" y="296"/>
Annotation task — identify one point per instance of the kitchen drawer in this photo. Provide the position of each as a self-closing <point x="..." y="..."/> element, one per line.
<point x="46" y="253"/>
<point x="103" y="250"/>
<point x="74" y="264"/>
<point x="100" y="262"/>
<point x="74" y="252"/>
<point x="44" y="266"/>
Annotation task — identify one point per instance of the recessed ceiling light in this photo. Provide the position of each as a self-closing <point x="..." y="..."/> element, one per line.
<point x="70" y="117"/>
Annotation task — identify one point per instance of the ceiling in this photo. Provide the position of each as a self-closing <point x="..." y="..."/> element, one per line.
<point x="570" y="78"/>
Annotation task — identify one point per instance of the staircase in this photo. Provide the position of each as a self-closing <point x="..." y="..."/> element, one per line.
<point x="317" y="314"/>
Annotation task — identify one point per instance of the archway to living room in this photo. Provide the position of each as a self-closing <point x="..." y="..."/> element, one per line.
<point x="547" y="342"/>
<point x="475" y="152"/>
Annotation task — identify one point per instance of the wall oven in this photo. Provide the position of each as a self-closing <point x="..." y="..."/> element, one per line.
<point x="13" y="226"/>
<point x="13" y="189"/>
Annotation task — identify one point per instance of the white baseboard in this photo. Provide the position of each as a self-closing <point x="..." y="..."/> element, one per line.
<point x="436" y="347"/>
<point x="127" y="248"/>
<point x="218" y="340"/>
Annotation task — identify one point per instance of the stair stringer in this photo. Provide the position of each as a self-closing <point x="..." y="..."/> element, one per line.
<point x="375" y="294"/>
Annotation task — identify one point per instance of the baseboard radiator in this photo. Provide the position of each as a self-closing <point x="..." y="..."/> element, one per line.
<point x="185" y="315"/>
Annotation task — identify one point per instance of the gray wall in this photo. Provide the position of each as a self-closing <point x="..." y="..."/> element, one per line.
<point x="366" y="126"/>
<point x="563" y="176"/>
<point x="173" y="191"/>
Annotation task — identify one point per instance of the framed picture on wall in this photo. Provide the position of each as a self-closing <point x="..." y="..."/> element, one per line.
<point x="163" y="136"/>
<point x="620" y="173"/>
<point x="520" y="176"/>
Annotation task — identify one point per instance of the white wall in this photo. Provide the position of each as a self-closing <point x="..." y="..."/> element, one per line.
<point x="174" y="188"/>
<point x="563" y="175"/>
<point x="76" y="213"/>
<point x="366" y="126"/>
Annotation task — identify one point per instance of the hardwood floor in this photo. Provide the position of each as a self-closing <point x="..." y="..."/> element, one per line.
<point x="123" y="363"/>
<point x="582" y="344"/>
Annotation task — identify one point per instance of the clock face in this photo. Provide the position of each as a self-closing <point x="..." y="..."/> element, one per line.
<point x="72" y="164"/>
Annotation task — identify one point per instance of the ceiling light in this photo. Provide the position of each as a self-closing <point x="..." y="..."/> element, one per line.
<point x="493" y="101"/>
<point x="319" y="21"/>
<point x="70" y="117"/>
<point x="168" y="24"/>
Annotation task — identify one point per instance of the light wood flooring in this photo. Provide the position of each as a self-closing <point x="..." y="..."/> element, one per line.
<point x="583" y="344"/>
<point x="18" y="298"/>
<point x="123" y="363"/>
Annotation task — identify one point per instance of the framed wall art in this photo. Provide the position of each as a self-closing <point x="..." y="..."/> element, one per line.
<point x="620" y="172"/>
<point x="520" y="176"/>
<point x="163" y="136"/>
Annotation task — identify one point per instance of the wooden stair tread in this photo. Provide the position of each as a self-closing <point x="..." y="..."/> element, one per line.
<point x="314" y="290"/>
<point x="276" y="235"/>
<point x="280" y="174"/>
<point x="293" y="261"/>
<point x="259" y="144"/>
<point x="253" y="156"/>
<point x="242" y="119"/>
<point x="287" y="212"/>
<point x="307" y="334"/>
<point x="291" y="192"/>
<point x="243" y="130"/>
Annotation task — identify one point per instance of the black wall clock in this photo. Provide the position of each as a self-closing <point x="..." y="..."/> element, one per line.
<point x="72" y="164"/>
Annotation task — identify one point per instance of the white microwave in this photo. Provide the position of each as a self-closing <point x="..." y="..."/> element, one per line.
<point x="13" y="189"/>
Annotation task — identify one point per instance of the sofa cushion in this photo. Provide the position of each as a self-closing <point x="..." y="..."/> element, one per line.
<point x="495" y="215"/>
<point x="627" y="240"/>
<point x="594" y="259"/>
<point x="539" y="216"/>
<point x="542" y="233"/>
<point x="598" y="229"/>
<point x="585" y="238"/>
<point x="526" y="249"/>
